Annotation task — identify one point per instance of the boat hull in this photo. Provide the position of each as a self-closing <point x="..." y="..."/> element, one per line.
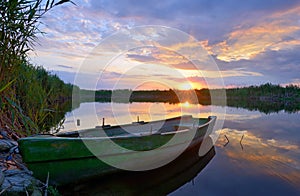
<point x="69" y="160"/>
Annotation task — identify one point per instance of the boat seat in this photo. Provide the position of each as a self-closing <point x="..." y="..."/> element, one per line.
<point x="68" y="134"/>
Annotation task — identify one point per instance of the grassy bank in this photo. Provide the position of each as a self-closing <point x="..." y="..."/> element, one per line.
<point x="35" y="101"/>
<point x="31" y="99"/>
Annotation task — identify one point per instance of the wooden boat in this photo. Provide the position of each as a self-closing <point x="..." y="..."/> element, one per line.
<point x="74" y="156"/>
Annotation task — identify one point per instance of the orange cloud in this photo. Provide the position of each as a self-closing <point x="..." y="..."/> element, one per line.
<point x="159" y="55"/>
<point x="206" y="46"/>
<point x="269" y="34"/>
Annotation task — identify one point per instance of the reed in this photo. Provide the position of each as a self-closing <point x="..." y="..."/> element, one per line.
<point x="30" y="97"/>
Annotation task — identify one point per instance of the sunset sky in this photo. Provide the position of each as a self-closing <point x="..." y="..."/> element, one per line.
<point x="251" y="42"/>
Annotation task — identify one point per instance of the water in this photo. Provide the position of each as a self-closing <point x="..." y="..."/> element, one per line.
<point x="261" y="154"/>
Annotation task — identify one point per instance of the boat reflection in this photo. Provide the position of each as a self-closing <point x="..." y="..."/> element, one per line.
<point x="159" y="181"/>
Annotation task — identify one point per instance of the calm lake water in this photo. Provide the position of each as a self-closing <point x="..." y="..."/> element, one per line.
<point x="260" y="157"/>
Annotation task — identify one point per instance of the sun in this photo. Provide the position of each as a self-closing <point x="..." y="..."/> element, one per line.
<point x="185" y="86"/>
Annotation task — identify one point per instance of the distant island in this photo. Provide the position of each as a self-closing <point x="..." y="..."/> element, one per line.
<point x="266" y="98"/>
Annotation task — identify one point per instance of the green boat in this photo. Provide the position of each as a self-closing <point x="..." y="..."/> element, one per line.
<point x="70" y="157"/>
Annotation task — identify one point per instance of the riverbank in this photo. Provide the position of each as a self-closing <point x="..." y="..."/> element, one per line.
<point x="15" y="178"/>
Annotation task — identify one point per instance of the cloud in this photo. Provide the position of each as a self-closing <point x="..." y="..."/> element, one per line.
<point x="142" y="58"/>
<point x="174" y="9"/>
<point x="65" y="66"/>
<point x="92" y="81"/>
<point x="161" y="56"/>
<point x="271" y="32"/>
<point x="276" y="66"/>
<point x="252" y="42"/>
<point x="202" y="18"/>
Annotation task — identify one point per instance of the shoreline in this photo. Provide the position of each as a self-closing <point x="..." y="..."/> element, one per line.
<point x="15" y="178"/>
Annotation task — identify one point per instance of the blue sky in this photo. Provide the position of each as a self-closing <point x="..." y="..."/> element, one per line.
<point x="252" y="42"/>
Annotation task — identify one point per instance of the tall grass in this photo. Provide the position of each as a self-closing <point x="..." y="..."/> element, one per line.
<point x="30" y="97"/>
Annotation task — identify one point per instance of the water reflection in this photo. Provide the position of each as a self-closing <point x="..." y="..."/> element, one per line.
<point x="160" y="181"/>
<point x="278" y="158"/>
<point x="91" y="114"/>
<point x="265" y="162"/>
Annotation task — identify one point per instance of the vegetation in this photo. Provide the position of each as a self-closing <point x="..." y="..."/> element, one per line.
<point x="266" y="98"/>
<point x="265" y="92"/>
<point x="31" y="99"/>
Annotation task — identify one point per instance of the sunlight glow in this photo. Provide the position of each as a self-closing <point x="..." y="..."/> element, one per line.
<point x="185" y="104"/>
<point x="185" y="86"/>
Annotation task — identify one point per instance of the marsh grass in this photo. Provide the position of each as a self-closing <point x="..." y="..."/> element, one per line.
<point x="31" y="99"/>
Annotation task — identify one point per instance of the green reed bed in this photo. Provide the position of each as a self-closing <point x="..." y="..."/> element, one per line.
<point x="31" y="99"/>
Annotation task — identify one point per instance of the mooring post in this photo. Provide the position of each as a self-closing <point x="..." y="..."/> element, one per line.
<point x="138" y="119"/>
<point x="103" y="122"/>
<point x="78" y="122"/>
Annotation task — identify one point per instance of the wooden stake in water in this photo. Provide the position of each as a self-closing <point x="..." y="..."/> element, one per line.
<point x="78" y="122"/>
<point x="138" y="119"/>
<point x="227" y="141"/>
<point x="103" y="122"/>
<point x="241" y="142"/>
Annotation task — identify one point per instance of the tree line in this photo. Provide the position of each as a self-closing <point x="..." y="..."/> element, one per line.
<point x="266" y="98"/>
